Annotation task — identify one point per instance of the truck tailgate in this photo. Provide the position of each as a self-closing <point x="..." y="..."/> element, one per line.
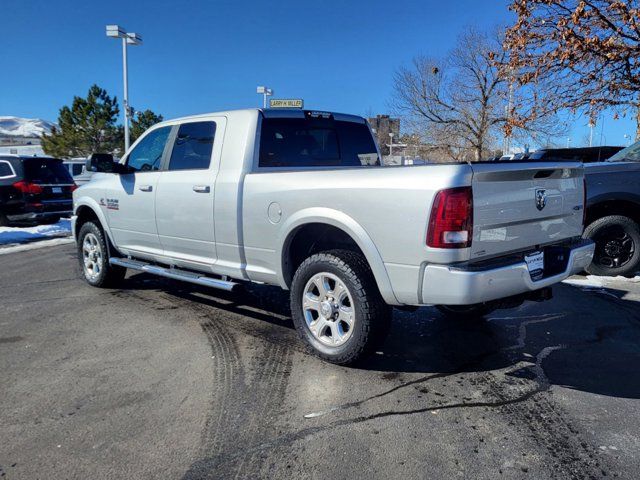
<point x="521" y="205"/>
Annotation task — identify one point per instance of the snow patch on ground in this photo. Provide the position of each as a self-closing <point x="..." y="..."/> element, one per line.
<point x="12" y="236"/>
<point x="593" y="281"/>
<point x="35" y="245"/>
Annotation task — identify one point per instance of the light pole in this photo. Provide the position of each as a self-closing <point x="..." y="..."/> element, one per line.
<point x="627" y="138"/>
<point x="266" y="92"/>
<point x="568" y="141"/>
<point x="115" y="31"/>
<point x="391" y="144"/>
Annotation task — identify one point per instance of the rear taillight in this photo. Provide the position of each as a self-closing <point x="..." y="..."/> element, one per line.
<point x="27" y="187"/>
<point x="451" y="222"/>
<point x="73" y="188"/>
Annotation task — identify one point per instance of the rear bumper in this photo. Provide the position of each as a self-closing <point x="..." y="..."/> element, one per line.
<point x="447" y="285"/>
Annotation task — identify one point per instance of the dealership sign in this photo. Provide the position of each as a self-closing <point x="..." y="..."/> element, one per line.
<point x="286" y="103"/>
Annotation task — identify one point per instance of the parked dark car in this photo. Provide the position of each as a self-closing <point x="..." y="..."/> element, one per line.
<point x="613" y="213"/>
<point x="34" y="190"/>
<point x="578" y="154"/>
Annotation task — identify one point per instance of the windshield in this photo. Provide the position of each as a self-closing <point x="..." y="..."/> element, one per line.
<point x="629" y="154"/>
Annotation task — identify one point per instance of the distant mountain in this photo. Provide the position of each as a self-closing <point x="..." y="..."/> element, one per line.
<point x="24" y="127"/>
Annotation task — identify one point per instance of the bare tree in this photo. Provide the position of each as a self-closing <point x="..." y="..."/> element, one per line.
<point x="588" y="51"/>
<point x="462" y="103"/>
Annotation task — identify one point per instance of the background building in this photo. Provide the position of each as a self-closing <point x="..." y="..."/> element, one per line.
<point x="382" y="126"/>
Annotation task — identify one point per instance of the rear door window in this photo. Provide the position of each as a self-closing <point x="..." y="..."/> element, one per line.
<point x="192" y="147"/>
<point x="315" y="142"/>
<point x="46" y="171"/>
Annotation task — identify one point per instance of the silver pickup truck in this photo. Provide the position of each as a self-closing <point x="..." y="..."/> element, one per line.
<point x="300" y="199"/>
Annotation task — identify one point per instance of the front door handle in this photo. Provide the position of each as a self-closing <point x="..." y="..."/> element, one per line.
<point x="145" y="188"/>
<point x="201" y="188"/>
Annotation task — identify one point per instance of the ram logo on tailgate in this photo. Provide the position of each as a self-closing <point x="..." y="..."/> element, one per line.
<point x="541" y="198"/>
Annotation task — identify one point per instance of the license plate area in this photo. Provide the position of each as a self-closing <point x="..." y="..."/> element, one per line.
<point x="535" y="264"/>
<point x="56" y="189"/>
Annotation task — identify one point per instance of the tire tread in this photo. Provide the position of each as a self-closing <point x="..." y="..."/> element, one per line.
<point x="374" y="314"/>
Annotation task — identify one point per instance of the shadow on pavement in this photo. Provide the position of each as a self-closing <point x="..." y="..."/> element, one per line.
<point x="595" y="336"/>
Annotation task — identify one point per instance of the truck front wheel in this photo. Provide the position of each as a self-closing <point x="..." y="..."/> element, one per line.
<point x="93" y="255"/>
<point x="337" y="308"/>
<point x="617" y="240"/>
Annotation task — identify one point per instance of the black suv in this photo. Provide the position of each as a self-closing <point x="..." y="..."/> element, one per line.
<point x="34" y="190"/>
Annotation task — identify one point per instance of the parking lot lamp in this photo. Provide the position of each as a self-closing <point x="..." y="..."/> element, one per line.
<point x="266" y="92"/>
<point x="115" y="31"/>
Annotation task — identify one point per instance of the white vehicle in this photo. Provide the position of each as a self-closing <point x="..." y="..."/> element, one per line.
<point x="77" y="167"/>
<point x="299" y="199"/>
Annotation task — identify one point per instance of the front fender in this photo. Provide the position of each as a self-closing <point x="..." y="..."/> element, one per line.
<point x="88" y="202"/>
<point x="347" y="224"/>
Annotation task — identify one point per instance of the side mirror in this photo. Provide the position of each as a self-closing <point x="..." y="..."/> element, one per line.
<point x="100" y="162"/>
<point x="104" y="163"/>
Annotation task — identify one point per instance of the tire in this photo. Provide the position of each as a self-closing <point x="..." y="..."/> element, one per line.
<point x="351" y="293"/>
<point x="93" y="256"/>
<point x="617" y="241"/>
<point x="466" y="312"/>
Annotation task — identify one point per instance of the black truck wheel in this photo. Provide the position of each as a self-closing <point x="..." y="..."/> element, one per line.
<point x="617" y="241"/>
<point x="337" y="308"/>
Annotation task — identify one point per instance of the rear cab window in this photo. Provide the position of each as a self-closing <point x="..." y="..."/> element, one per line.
<point x="46" y="171"/>
<point x="315" y="141"/>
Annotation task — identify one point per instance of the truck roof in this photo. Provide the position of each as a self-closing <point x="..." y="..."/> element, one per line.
<point x="272" y="113"/>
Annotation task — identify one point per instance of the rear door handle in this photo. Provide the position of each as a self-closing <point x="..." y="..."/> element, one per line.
<point x="145" y="188"/>
<point x="201" y="188"/>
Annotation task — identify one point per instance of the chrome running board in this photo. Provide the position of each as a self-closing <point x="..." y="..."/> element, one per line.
<point x="173" y="273"/>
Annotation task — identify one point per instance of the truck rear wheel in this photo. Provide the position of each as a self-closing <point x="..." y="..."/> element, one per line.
<point x="337" y="308"/>
<point x="93" y="255"/>
<point x="617" y="241"/>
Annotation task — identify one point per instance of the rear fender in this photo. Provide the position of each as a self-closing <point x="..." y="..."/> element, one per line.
<point x="352" y="228"/>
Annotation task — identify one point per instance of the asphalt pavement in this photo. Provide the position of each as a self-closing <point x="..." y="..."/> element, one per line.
<point x="160" y="379"/>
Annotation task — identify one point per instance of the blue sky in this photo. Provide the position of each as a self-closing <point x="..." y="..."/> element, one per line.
<point x="201" y="56"/>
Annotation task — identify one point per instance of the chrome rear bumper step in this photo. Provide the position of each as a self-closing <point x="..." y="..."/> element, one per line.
<point x="174" y="273"/>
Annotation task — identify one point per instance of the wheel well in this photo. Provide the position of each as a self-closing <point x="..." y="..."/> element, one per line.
<point x="313" y="238"/>
<point x="614" y="207"/>
<point x="85" y="214"/>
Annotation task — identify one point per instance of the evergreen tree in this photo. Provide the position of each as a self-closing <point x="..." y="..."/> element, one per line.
<point x="88" y="126"/>
<point x="141" y="122"/>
